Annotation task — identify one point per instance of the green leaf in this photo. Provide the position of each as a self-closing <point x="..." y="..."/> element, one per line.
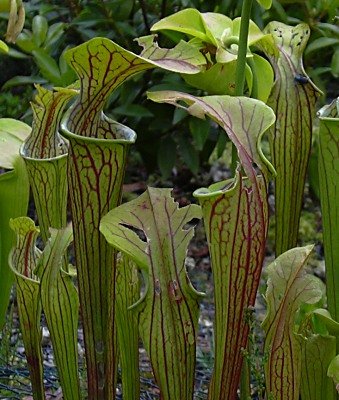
<point x="335" y="64"/>
<point x="320" y="43"/>
<point x="23" y="261"/>
<point x="188" y="153"/>
<point x="236" y="225"/>
<point x="39" y="29"/>
<point x="225" y="216"/>
<point x="187" y="21"/>
<point x="54" y="34"/>
<point x="328" y="162"/>
<point x="96" y="168"/>
<point x="111" y="66"/>
<point x="266" y="4"/>
<point x="98" y="150"/>
<point x="60" y="303"/>
<point x="199" y="131"/>
<point x="12" y="134"/>
<point x="333" y="371"/>
<point x="14" y="195"/>
<point x="244" y="120"/>
<point x="325" y="317"/>
<point x="219" y="79"/>
<point x="3" y="47"/>
<point x="182" y="58"/>
<point x="215" y="25"/>
<point x="293" y="98"/>
<point x="48" y="66"/>
<point x="23" y="80"/>
<point x="127" y="293"/>
<point x="133" y="110"/>
<point x="168" y="311"/>
<point x="317" y="353"/>
<point x="179" y="115"/>
<point x="17" y="54"/>
<point x="45" y="153"/>
<point x="288" y="287"/>
<point x="166" y="156"/>
<point x="25" y="41"/>
<point x="255" y="34"/>
<point x="265" y="77"/>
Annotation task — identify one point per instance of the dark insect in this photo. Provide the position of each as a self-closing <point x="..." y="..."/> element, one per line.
<point x="301" y="79"/>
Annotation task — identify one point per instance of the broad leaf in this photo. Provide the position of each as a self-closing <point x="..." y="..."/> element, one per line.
<point x="168" y="311"/>
<point x="39" y="29"/>
<point x="288" y="287"/>
<point x="12" y="134"/>
<point x="264" y="75"/>
<point x="293" y="99"/>
<point x="48" y="66"/>
<point x="218" y="79"/>
<point x="187" y="21"/>
<point x="265" y="3"/>
<point x="14" y="195"/>
<point x="23" y="260"/>
<point x="328" y="183"/>
<point x="217" y="36"/>
<point x="3" y="47"/>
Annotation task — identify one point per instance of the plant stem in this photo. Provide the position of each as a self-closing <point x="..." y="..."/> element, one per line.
<point x="242" y="50"/>
<point x="239" y="91"/>
<point x="241" y="61"/>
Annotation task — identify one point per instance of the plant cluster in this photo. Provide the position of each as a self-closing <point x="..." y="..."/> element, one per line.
<point x="250" y="81"/>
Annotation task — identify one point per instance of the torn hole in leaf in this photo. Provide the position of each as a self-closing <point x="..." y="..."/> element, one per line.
<point x="256" y="168"/>
<point x="4" y="170"/>
<point x="139" y="232"/>
<point x="191" y="224"/>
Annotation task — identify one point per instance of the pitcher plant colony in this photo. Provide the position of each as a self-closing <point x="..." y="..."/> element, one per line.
<point x="255" y="89"/>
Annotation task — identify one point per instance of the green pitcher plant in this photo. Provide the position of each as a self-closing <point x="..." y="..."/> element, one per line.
<point x="293" y="98"/>
<point x="98" y="149"/>
<point x="45" y="153"/>
<point x="152" y="230"/>
<point x="127" y="293"/>
<point x="23" y="261"/>
<point x="288" y="287"/>
<point x="14" y="194"/>
<point x="42" y="283"/>
<point x="235" y="215"/>
<point x="328" y="164"/>
<point x="319" y="332"/>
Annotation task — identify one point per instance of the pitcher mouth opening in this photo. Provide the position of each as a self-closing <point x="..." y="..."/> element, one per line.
<point x="110" y="131"/>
